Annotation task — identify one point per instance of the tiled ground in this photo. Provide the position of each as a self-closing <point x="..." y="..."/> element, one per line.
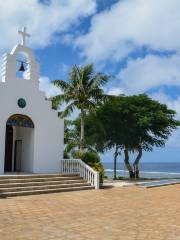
<point x="129" y="213"/>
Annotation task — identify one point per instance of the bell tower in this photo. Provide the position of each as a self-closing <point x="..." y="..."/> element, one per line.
<point x="12" y="64"/>
<point x="31" y="133"/>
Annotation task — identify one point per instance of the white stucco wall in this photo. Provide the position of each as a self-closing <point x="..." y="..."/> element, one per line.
<point x="47" y="149"/>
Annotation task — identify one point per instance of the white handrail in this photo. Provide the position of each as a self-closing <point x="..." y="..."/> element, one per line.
<point x="77" y="166"/>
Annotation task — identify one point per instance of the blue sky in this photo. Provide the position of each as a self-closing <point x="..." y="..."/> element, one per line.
<point x="137" y="42"/>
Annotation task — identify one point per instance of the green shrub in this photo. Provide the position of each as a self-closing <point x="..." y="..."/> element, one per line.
<point x="93" y="160"/>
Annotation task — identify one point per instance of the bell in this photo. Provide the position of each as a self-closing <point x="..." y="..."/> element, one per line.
<point x="22" y="69"/>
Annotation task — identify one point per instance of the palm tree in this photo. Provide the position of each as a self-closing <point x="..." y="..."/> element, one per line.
<point x="72" y="139"/>
<point x="82" y="91"/>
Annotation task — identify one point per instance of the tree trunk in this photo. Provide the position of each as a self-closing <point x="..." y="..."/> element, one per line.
<point x="82" y="132"/>
<point x="136" y="163"/>
<point x="115" y="162"/>
<point x="128" y="165"/>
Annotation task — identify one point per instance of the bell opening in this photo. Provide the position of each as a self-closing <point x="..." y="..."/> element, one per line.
<point x="22" y="68"/>
<point x="22" y="65"/>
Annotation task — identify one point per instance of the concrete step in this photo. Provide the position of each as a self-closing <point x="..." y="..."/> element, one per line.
<point x="22" y="193"/>
<point x="44" y="187"/>
<point x="18" y="185"/>
<point x="40" y="175"/>
<point x="37" y="179"/>
<point x="41" y="183"/>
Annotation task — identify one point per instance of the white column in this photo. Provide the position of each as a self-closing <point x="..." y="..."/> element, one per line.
<point x="96" y="180"/>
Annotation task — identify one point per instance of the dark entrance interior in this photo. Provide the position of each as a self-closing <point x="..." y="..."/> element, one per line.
<point x="17" y="155"/>
<point x="8" y="149"/>
<point x="9" y="165"/>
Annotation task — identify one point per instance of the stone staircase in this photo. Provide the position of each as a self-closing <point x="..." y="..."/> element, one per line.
<point x="27" y="184"/>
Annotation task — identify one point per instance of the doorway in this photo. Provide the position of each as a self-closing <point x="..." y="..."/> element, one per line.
<point x="19" y="144"/>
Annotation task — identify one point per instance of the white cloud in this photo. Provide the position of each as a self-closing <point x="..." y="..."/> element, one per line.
<point x="43" y="20"/>
<point x="50" y="90"/>
<point x="173" y="103"/>
<point x="141" y="75"/>
<point x="114" y="91"/>
<point x="129" y="24"/>
<point x="174" y="140"/>
<point x="46" y="86"/>
<point x="64" y="68"/>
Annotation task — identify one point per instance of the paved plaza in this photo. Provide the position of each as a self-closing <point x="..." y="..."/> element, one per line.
<point x="129" y="213"/>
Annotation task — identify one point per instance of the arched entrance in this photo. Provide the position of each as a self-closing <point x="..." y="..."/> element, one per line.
<point x="19" y="143"/>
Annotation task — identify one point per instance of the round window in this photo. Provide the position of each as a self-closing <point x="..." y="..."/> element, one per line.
<point x="21" y="103"/>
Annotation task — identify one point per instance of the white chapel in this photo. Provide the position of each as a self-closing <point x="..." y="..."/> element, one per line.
<point x="31" y="133"/>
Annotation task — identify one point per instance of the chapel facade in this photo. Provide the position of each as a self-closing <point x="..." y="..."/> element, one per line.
<point x="31" y="133"/>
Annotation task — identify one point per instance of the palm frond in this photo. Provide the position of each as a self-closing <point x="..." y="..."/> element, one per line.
<point x="98" y="80"/>
<point x="87" y="73"/>
<point x="68" y="110"/>
<point x="61" y="84"/>
<point x="57" y="100"/>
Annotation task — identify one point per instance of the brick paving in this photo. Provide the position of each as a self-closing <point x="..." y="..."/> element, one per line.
<point x="130" y="213"/>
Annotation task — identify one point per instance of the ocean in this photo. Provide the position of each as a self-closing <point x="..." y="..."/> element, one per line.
<point x="147" y="169"/>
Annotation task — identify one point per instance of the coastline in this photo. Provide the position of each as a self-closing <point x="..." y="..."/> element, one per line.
<point x="149" y="170"/>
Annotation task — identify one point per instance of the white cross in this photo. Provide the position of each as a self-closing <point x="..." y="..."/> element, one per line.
<point x="24" y="35"/>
